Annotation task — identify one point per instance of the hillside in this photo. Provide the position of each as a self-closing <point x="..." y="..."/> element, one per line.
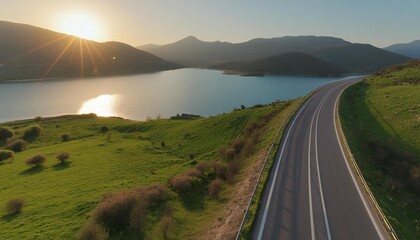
<point x="283" y="64"/>
<point x="380" y="118"/>
<point x="113" y="159"/>
<point x="31" y="52"/>
<point x="411" y="49"/>
<point x="193" y="52"/>
<point x="359" y="58"/>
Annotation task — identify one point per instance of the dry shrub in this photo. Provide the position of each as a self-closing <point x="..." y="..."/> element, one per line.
<point x="93" y="231"/>
<point x="114" y="213"/>
<point x="233" y="169"/>
<point x="36" y="160"/>
<point x="238" y="144"/>
<point x="215" y="187"/>
<point x="181" y="184"/>
<point x="17" y="145"/>
<point x="221" y="169"/>
<point x="63" y="156"/>
<point x="202" y="166"/>
<point x="227" y="153"/>
<point x="194" y="173"/>
<point x="121" y="210"/>
<point x="14" y="206"/>
<point x="166" y="225"/>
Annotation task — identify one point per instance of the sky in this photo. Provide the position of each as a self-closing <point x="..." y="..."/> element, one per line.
<point x="139" y="22"/>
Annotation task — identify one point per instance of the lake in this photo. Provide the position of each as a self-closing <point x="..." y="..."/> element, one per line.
<point x="195" y="91"/>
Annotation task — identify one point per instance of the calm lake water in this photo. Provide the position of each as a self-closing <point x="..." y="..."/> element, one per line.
<point x="195" y="91"/>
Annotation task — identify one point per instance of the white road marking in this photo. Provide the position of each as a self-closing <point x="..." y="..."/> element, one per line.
<point x="267" y="206"/>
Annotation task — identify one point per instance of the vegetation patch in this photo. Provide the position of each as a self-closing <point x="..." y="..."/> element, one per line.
<point x="116" y="164"/>
<point x="380" y="118"/>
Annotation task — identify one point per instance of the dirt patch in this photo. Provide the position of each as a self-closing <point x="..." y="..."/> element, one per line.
<point x="228" y="222"/>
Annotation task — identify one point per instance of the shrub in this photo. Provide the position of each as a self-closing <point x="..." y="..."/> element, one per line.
<point x="17" y="145"/>
<point x="181" y="184"/>
<point x="221" y="169"/>
<point x="104" y="129"/>
<point x="5" y="133"/>
<point x="63" y="156"/>
<point x="38" y="119"/>
<point x="14" y="206"/>
<point x="32" y="132"/>
<point x="227" y="153"/>
<point x="238" y="145"/>
<point x="114" y="212"/>
<point x="215" y="187"/>
<point x="65" y="137"/>
<point x="36" y="160"/>
<point x="93" y="231"/>
<point x="165" y="225"/>
<point x="6" y="154"/>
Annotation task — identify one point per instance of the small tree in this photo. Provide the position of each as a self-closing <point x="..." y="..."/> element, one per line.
<point x="65" y="137"/>
<point x="93" y="231"/>
<point x="5" y="133"/>
<point x="14" y="206"/>
<point x="6" y="154"/>
<point x="17" y="145"/>
<point x="36" y="160"/>
<point x="63" y="156"/>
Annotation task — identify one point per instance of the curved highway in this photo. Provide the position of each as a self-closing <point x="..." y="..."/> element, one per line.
<point x="312" y="192"/>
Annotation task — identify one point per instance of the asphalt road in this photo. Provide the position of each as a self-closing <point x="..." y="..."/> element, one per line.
<point x="312" y="193"/>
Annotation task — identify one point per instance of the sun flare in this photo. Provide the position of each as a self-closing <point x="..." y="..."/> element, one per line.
<point x="80" y="24"/>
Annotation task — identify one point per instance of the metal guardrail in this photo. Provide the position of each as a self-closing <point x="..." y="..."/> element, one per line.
<point x="384" y="220"/>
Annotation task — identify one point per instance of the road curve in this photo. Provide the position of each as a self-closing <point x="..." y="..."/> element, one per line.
<point x="312" y="192"/>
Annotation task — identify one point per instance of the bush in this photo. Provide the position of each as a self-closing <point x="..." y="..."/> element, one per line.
<point x="5" y="133"/>
<point x="36" y="160"/>
<point x="6" y="154"/>
<point x="104" y="129"/>
<point x="14" y="206"/>
<point x="17" y="145"/>
<point x="215" y="187"/>
<point x="114" y="212"/>
<point x="65" y="137"/>
<point x="165" y="225"/>
<point x="221" y="169"/>
<point x="238" y="145"/>
<point x="93" y="231"/>
<point x="63" y="156"/>
<point x="32" y="132"/>
<point x="181" y="184"/>
<point x="227" y="153"/>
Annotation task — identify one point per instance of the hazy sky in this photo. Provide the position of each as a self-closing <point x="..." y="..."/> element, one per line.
<point x="137" y="22"/>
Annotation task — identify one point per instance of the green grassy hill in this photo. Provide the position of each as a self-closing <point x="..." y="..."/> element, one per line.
<point x="113" y="155"/>
<point x="381" y="121"/>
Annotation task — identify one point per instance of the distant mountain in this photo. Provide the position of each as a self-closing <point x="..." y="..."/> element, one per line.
<point x="349" y="57"/>
<point x="411" y="49"/>
<point x="359" y="58"/>
<point x="31" y="52"/>
<point x="193" y="52"/>
<point x="293" y="63"/>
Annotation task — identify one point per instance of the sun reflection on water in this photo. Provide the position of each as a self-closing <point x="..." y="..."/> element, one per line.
<point x="103" y="105"/>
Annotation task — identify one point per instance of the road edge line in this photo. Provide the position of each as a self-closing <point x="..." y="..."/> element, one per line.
<point x="349" y="157"/>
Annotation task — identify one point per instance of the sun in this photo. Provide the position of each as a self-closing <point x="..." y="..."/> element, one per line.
<point x="80" y="24"/>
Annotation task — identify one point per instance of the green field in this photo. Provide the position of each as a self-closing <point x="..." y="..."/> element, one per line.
<point x="381" y="120"/>
<point x="59" y="198"/>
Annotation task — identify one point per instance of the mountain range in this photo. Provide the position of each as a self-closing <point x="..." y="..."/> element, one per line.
<point x="31" y="52"/>
<point x="344" y="56"/>
<point x="411" y="49"/>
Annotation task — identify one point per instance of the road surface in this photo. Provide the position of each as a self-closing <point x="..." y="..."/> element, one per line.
<point x="312" y="192"/>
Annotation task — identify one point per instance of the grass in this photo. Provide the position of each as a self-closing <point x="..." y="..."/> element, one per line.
<point x="380" y="118"/>
<point x="59" y="198"/>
